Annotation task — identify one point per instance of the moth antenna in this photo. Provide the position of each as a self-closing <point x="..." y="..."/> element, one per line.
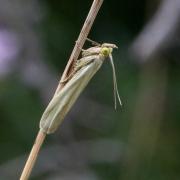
<point x="116" y="92"/>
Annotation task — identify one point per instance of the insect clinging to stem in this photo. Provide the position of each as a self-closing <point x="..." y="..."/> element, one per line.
<point x="84" y="69"/>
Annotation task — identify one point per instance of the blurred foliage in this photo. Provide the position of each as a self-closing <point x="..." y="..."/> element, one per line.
<point x="118" y="22"/>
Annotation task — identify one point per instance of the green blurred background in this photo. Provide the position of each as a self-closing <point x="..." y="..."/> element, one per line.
<point x="138" y="141"/>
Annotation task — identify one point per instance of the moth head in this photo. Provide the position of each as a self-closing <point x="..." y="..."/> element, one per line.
<point x="106" y="49"/>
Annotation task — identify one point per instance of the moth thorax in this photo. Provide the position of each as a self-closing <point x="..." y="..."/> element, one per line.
<point x="105" y="51"/>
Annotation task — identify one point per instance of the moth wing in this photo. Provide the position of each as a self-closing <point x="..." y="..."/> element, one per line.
<point x="63" y="100"/>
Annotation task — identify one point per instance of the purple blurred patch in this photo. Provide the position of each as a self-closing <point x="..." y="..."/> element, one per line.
<point x="9" y="49"/>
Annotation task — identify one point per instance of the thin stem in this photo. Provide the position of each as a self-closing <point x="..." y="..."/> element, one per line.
<point x="74" y="56"/>
<point x="81" y="39"/>
<point x="33" y="156"/>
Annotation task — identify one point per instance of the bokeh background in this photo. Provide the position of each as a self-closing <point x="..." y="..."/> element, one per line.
<point x="138" y="141"/>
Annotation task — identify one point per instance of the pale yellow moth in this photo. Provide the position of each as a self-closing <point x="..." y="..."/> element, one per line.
<point x="83" y="71"/>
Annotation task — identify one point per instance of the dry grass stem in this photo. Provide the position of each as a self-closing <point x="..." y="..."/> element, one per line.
<point x="74" y="56"/>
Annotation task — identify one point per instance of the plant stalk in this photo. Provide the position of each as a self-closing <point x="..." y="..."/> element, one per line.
<point x="74" y="56"/>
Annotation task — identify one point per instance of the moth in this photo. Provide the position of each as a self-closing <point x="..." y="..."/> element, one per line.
<point x="84" y="69"/>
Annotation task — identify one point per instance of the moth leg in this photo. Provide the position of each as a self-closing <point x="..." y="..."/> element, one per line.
<point x="77" y="67"/>
<point x="68" y="78"/>
<point x="83" y="63"/>
<point x="93" y="42"/>
<point x="79" y="64"/>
